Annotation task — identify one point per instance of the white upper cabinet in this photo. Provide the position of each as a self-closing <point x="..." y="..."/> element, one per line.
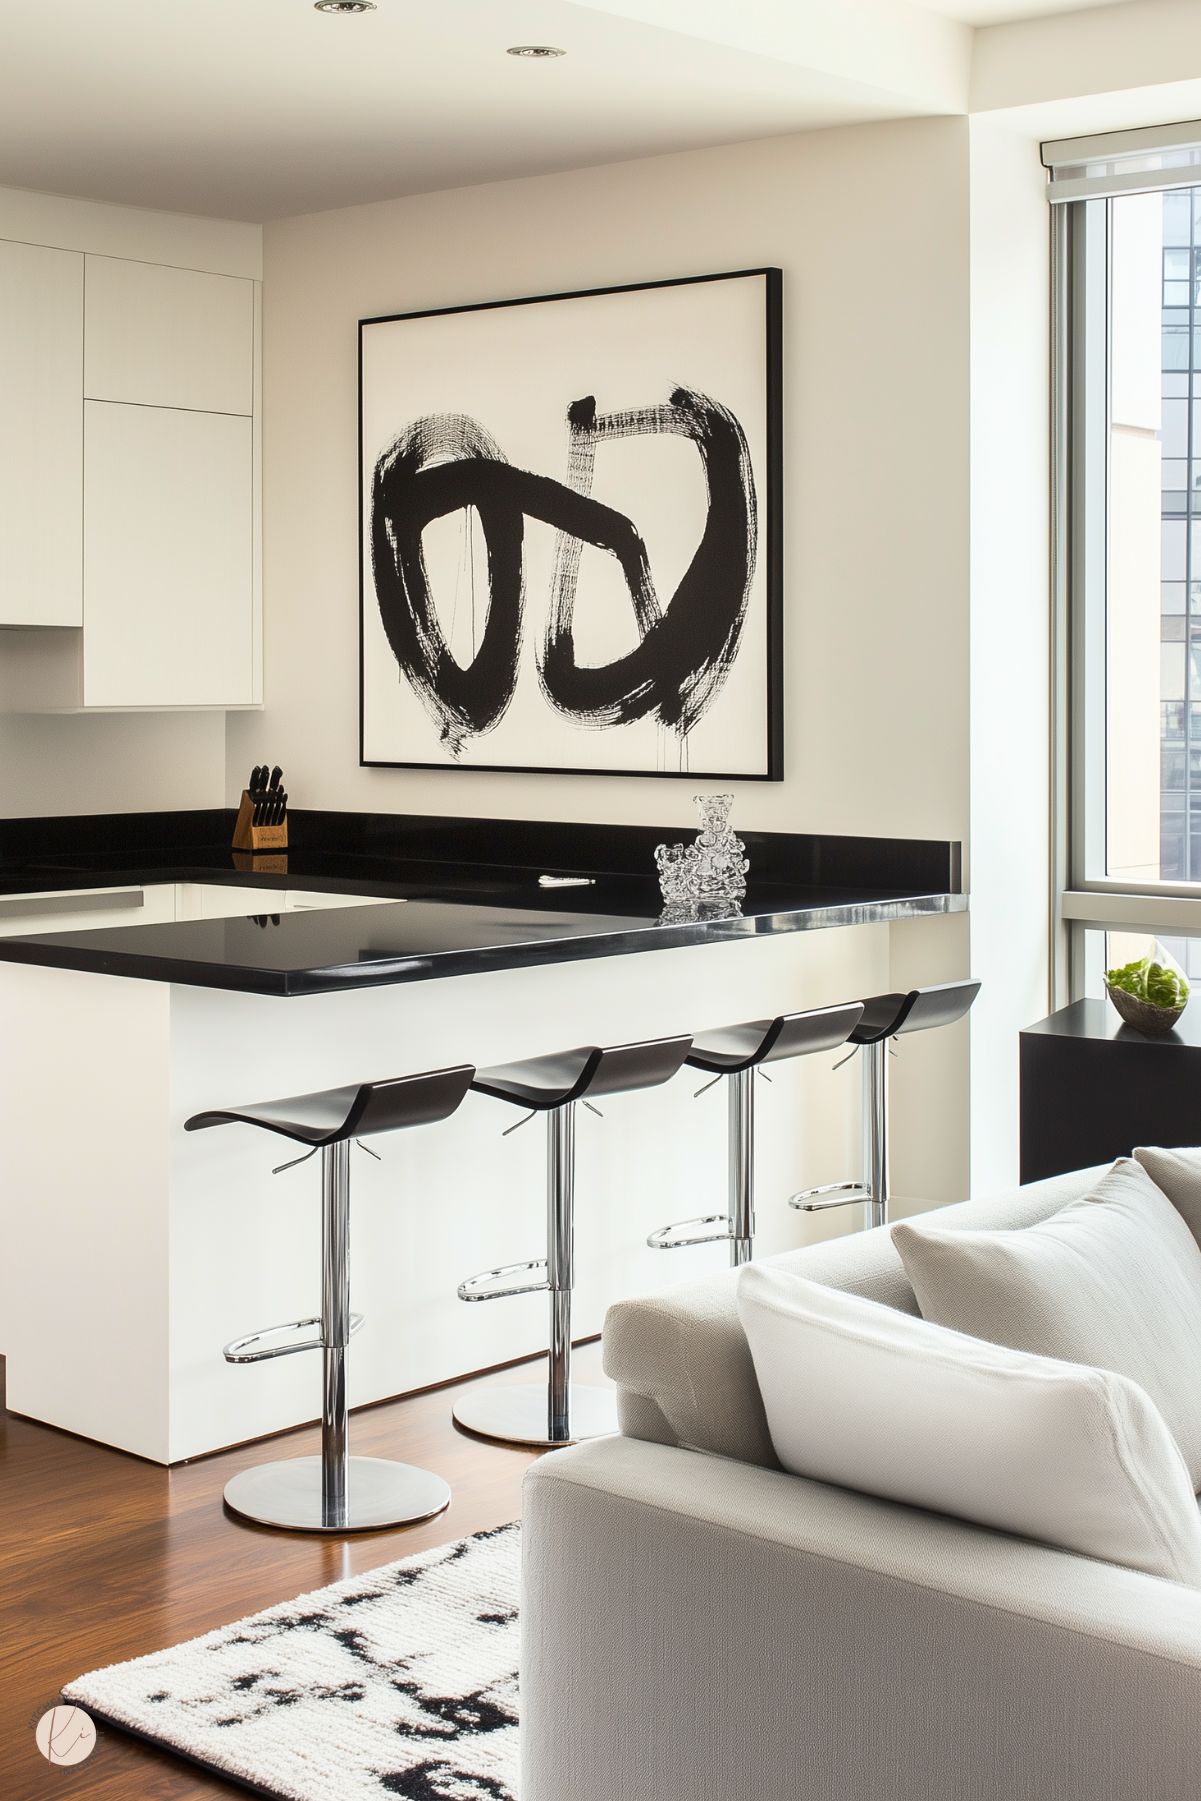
<point x="168" y="337"/>
<point x="168" y="558"/>
<point x="130" y="458"/>
<point x="41" y="435"/>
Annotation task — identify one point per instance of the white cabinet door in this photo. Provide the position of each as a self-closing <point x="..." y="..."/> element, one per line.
<point x="41" y="435"/>
<point x="220" y="900"/>
<point x="168" y="545"/>
<point x="168" y="337"/>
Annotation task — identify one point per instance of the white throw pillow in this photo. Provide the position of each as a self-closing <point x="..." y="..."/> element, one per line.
<point x="1178" y="1173"/>
<point x="861" y="1395"/>
<point x="1113" y="1280"/>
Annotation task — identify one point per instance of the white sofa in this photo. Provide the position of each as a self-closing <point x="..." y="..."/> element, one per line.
<point x="699" y="1625"/>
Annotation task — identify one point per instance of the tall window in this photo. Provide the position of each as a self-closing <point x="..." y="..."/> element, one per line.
<point x="1128" y="244"/>
<point x="1173" y="233"/>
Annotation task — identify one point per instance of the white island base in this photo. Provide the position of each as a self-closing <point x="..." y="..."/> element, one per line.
<point x="134" y="1250"/>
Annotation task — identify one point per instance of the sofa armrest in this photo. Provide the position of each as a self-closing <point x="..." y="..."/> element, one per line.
<point x="680" y="1358"/>
<point x="684" y="1373"/>
<point x="695" y="1629"/>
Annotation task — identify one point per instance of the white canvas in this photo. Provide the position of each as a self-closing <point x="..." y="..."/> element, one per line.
<point x="514" y="370"/>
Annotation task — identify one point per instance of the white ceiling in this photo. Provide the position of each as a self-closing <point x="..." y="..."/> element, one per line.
<point x="254" y="109"/>
<point x="1005" y="12"/>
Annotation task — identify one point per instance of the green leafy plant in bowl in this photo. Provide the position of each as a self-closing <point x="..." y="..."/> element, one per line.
<point x="1148" y="995"/>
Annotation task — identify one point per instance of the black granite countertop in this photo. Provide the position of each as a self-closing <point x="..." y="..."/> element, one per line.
<point x="473" y="898"/>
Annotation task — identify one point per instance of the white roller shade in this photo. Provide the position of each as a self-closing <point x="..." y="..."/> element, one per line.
<point x="1124" y="162"/>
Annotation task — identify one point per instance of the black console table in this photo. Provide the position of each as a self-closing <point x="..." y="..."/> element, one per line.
<point x="1092" y="1088"/>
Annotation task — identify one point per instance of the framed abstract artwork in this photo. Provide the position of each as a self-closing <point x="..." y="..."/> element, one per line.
<point x="571" y="532"/>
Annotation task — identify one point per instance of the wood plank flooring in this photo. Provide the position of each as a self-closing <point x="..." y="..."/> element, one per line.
<point x="104" y="1557"/>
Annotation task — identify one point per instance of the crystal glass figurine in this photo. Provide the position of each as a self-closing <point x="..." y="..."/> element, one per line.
<point x="714" y="867"/>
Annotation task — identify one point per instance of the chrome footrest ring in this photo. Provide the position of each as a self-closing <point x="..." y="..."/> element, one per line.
<point x="662" y="1240"/>
<point x="475" y="1287"/>
<point x="831" y="1194"/>
<point x="256" y="1347"/>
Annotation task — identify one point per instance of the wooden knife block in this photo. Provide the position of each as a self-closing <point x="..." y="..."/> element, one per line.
<point x="257" y="837"/>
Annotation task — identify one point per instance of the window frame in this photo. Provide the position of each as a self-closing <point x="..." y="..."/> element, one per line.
<point x="1084" y="898"/>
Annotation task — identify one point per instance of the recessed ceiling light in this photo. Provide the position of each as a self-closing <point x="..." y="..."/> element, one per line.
<point x="535" y="50"/>
<point x="344" y="6"/>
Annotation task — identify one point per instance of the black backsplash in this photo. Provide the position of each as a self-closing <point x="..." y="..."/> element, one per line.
<point x="809" y="859"/>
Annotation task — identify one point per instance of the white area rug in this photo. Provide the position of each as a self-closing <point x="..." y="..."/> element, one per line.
<point x="401" y="1682"/>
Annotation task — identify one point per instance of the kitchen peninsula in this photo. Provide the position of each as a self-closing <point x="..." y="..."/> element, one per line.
<point x="398" y="943"/>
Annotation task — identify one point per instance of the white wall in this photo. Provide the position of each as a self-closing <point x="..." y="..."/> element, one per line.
<point x="1112" y="61"/>
<point x="870" y="227"/>
<point x="109" y="763"/>
<point x="1010" y="648"/>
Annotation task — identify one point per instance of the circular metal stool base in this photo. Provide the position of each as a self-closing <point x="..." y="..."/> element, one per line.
<point x="517" y="1414"/>
<point x="378" y="1493"/>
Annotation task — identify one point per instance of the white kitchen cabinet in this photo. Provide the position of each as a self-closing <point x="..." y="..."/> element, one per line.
<point x="224" y="900"/>
<point x="86" y="909"/>
<point x="221" y="900"/>
<point x="156" y="903"/>
<point x="41" y="435"/>
<point x="168" y="337"/>
<point x="168" y="558"/>
<point x="147" y="536"/>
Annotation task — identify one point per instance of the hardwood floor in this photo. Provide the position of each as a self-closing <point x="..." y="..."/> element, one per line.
<point x="104" y="1557"/>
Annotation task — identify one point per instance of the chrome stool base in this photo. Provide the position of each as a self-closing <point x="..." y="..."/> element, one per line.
<point x="556" y="1413"/>
<point x="519" y="1414"/>
<point x="378" y="1494"/>
<point x="735" y="1055"/>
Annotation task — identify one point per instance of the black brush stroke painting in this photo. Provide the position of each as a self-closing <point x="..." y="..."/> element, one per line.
<point x="687" y="642"/>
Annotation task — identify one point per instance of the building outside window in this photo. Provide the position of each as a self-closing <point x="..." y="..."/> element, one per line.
<point x="1128" y="259"/>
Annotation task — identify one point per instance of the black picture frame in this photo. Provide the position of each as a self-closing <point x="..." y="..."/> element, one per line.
<point x="771" y="535"/>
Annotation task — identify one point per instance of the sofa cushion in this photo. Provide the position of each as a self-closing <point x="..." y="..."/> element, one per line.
<point x="873" y="1399"/>
<point x="1112" y="1280"/>
<point x="1178" y="1173"/>
<point x="680" y="1359"/>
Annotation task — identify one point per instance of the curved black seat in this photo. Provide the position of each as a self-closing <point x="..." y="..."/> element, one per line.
<point x="358" y="1111"/>
<point x="883" y="1015"/>
<point x="745" y="1046"/>
<point x="922" y="1009"/>
<point x="940" y="1005"/>
<point x="587" y="1072"/>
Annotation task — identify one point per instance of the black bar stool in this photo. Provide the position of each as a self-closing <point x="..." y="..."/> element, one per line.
<point x="336" y="1492"/>
<point x="735" y="1053"/>
<point x="514" y="1413"/>
<point x="885" y="1016"/>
